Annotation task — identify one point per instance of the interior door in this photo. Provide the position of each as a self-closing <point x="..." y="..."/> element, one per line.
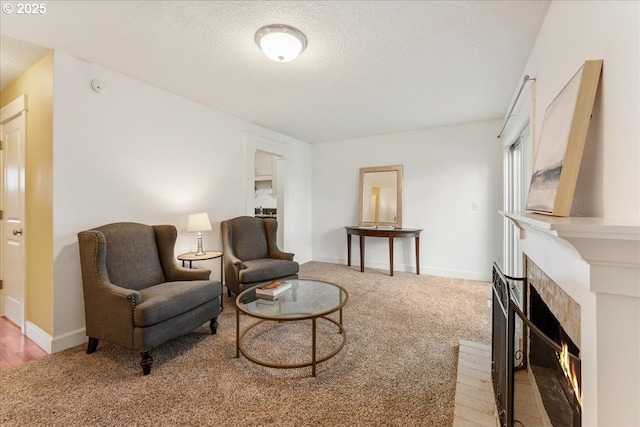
<point x="13" y="251"/>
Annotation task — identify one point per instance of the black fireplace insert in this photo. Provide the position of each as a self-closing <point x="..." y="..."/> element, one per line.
<point x="535" y="367"/>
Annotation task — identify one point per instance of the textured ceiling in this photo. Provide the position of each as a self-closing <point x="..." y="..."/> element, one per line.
<point x="16" y="56"/>
<point x="370" y="67"/>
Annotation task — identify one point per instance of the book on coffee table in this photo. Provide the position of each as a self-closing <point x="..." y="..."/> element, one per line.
<point x="272" y="290"/>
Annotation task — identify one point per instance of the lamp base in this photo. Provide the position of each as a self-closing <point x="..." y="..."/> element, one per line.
<point x="200" y="251"/>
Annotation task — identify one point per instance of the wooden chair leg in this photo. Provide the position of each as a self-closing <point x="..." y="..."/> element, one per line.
<point x="146" y="362"/>
<point x="213" y="325"/>
<point x="92" y="345"/>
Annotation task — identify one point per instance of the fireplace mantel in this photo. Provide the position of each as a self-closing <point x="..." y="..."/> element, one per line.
<point x="596" y="261"/>
<point x="605" y="244"/>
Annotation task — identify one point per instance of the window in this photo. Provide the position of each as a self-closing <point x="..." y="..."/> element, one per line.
<point x="517" y="177"/>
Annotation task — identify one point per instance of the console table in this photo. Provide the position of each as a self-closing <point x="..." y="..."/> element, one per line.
<point x="391" y="234"/>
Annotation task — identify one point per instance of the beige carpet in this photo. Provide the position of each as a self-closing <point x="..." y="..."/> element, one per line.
<point x="397" y="368"/>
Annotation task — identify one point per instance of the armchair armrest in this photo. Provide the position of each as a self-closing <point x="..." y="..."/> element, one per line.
<point x="175" y="273"/>
<point x="237" y="262"/>
<point x="121" y="301"/>
<point x="278" y="254"/>
<point x="115" y="293"/>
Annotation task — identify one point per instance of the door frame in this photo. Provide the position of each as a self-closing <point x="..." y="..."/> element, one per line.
<point x="521" y="122"/>
<point x="11" y="111"/>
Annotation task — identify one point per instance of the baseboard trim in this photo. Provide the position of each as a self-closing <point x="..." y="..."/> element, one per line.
<point x="68" y="340"/>
<point x="38" y="336"/>
<point x="369" y="264"/>
<point x="59" y="343"/>
<point x="441" y="272"/>
<point x="458" y="274"/>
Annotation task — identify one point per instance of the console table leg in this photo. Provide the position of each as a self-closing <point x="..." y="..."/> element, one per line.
<point x="391" y="255"/>
<point x="361" y="253"/>
<point x="349" y="249"/>
<point x="418" y="255"/>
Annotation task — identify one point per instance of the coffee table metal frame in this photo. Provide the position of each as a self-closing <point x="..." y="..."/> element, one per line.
<point x="292" y="317"/>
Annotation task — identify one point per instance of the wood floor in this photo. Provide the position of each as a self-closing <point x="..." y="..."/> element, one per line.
<point x="15" y="348"/>
<point x="474" y="404"/>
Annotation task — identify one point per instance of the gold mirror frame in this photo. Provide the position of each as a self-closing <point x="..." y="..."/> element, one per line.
<point x="387" y="194"/>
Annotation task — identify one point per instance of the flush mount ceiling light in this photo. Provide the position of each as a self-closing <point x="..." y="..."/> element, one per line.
<point x="281" y="43"/>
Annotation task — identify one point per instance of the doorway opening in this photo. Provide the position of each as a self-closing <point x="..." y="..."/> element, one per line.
<point x="266" y="181"/>
<point x="266" y="185"/>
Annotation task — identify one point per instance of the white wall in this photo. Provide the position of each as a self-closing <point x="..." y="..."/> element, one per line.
<point x="138" y="153"/>
<point x="573" y="32"/>
<point x="608" y="186"/>
<point x="446" y="169"/>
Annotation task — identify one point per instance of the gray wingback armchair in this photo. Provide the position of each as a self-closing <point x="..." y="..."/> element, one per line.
<point x="135" y="294"/>
<point x="251" y="254"/>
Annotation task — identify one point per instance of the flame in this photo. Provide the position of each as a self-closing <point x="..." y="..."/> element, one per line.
<point x="570" y="372"/>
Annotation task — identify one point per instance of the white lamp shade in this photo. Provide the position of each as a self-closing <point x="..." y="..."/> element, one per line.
<point x="199" y="222"/>
<point x="281" y="43"/>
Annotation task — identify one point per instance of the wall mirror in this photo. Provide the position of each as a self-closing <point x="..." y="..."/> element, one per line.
<point x="381" y="196"/>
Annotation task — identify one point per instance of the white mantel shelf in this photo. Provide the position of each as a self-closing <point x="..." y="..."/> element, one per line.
<point x="605" y="244"/>
<point x="583" y="227"/>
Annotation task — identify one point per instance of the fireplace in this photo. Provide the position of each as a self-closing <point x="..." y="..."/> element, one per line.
<point x="535" y="363"/>
<point x="596" y="264"/>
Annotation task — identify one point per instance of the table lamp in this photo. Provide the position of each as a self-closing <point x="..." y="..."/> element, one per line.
<point x="199" y="222"/>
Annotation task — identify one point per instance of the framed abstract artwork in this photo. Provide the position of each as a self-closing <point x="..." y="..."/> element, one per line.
<point x="562" y="139"/>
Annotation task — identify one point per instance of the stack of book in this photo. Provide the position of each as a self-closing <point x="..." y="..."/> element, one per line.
<point x="272" y="290"/>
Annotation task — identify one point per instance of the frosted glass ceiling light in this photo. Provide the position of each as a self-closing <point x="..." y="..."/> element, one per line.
<point x="281" y="43"/>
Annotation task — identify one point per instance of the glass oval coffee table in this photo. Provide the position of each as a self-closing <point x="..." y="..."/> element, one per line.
<point x="305" y="300"/>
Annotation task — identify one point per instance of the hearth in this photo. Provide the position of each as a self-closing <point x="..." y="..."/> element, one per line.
<point x="535" y="364"/>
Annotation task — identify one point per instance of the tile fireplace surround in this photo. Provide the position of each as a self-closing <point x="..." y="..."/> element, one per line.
<point x="597" y="263"/>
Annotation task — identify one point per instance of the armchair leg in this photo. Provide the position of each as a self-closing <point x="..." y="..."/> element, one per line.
<point x="92" y="346"/>
<point x="146" y="362"/>
<point x="213" y="325"/>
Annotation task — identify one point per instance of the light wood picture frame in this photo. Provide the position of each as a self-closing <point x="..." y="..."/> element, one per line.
<point x="381" y="196"/>
<point x="562" y="140"/>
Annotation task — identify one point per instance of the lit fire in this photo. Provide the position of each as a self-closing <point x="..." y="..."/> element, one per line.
<point x="570" y="372"/>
